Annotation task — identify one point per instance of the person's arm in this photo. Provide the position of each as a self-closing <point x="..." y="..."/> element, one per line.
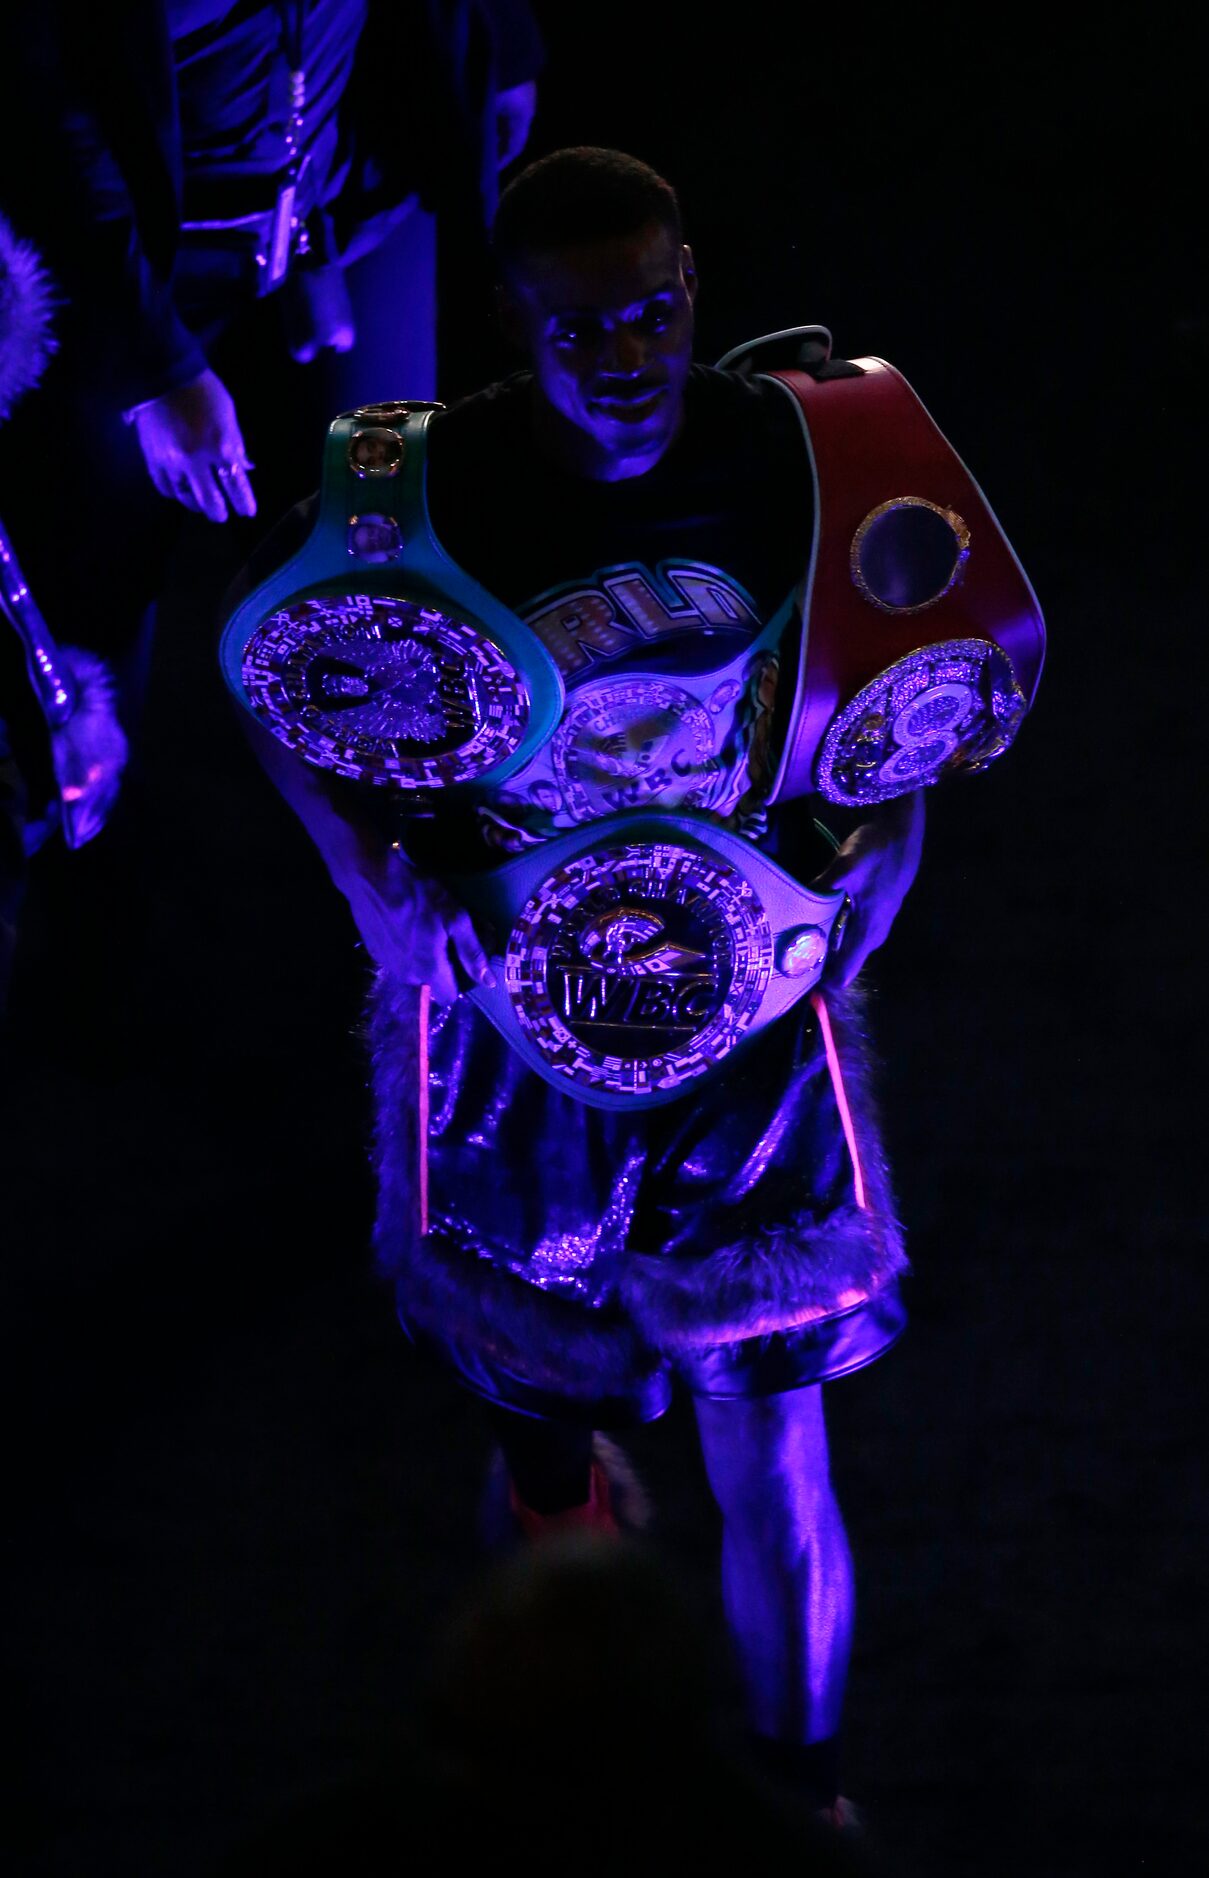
<point x="875" y="866"/>
<point x="92" y="170"/>
<point x="412" y="927"/>
<point x="100" y="113"/>
<point x="517" y="40"/>
<point x="194" y="449"/>
<point x="519" y="55"/>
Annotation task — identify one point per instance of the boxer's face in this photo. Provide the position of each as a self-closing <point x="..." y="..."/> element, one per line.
<point x="608" y="328"/>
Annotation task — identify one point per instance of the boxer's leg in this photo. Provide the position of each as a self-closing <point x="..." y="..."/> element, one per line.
<point x="550" y="1463"/>
<point x="786" y="1568"/>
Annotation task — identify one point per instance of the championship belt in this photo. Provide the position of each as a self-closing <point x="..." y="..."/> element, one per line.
<point x="639" y="951"/>
<point x="370" y="653"/>
<point x="922" y="640"/>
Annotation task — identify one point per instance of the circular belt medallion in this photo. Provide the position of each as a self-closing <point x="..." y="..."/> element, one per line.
<point x="638" y="966"/>
<point x="627" y="742"/>
<point x="385" y="690"/>
<point x="945" y="707"/>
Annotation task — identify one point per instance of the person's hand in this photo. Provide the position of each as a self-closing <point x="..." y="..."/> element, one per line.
<point x="88" y="751"/>
<point x="193" y="449"/>
<point x="415" y="930"/>
<point x="875" y="868"/>
<point x="514" y="112"/>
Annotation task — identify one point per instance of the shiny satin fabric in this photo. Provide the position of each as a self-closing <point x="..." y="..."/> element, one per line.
<point x="558" y="1193"/>
<point x="719" y="1235"/>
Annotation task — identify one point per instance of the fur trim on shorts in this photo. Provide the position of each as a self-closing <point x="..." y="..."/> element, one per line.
<point x="774" y="1280"/>
<point x="449" y="1289"/>
<point x="794" y="1273"/>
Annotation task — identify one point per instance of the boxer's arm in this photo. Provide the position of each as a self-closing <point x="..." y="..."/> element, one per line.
<point x="875" y="866"/>
<point x="412" y="928"/>
<point x="346" y="839"/>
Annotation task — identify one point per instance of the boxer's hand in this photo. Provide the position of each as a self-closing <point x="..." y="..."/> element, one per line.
<point x="875" y="868"/>
<point x="194" y="450"/>
<point x="415" y="930"/>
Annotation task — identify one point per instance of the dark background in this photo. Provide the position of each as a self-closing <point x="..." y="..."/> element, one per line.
<point x="236" y="1505"/>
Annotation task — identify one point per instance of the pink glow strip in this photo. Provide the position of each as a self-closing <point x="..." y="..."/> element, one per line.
<point x="422" y="1104"/>
<point x="837" y="1083"/>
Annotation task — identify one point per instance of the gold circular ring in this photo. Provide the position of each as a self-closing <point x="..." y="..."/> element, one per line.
<point x="961" y="535"/>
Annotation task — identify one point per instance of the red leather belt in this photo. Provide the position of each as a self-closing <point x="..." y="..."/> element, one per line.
<point x="922" y="640"/>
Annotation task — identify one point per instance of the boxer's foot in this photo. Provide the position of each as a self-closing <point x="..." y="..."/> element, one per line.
<point x="842" y="1817"/>
<point x="616" y="1503"/>
<point x="595" y="1515"/>
<point x="627" y="1496"/>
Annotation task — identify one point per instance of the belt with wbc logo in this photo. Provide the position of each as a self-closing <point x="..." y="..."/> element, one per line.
<point x="637" y="953"/>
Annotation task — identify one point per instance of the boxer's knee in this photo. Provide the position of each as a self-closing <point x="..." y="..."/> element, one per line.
<point x="767" y="1463"/>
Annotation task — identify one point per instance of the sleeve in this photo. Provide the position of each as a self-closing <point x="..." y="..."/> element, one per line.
<point x="142" y="346"/>
<point x="519" y="52"/>
<point x="95" y="170"/>
<point x="458" y="54"/>
<point x="282" y="542"/>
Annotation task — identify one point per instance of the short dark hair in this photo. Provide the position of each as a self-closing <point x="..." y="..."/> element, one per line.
<point x="579" y="195"/>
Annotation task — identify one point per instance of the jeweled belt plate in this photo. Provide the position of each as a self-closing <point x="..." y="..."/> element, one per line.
<point x="638" y="953"/>
<point x="370" y="654"/>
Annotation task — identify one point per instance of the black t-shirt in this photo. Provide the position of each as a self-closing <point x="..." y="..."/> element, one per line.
<point x="233" y="70"/>
<point x="731" y="497"/>
<point x="676" y="572"/>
